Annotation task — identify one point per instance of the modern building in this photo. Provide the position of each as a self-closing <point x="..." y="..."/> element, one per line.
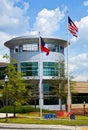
<point x="79" y="103"/>
<point x="35" y="64"/>
<point x="79" y="99"/>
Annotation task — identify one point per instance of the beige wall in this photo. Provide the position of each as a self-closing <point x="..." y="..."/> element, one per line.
<point x="81" y="87"/>
<point x="79" y="106"/>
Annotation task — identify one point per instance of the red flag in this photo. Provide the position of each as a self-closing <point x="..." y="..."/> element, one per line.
<point x="43" y="48"/>
<point x="72" y="27"/>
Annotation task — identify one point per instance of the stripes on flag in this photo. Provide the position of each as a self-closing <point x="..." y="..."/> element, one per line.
<point x="72" y="27"/>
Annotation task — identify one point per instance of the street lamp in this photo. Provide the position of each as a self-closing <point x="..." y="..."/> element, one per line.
<point x="84" y="103"/>
<point x="6" y="82"/>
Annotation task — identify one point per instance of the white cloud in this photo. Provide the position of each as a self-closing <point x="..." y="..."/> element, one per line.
<point x="13" y="22"/>
<point x="80" y="60"/>
<point x="3" y="59"/>
<point x="79" y="66"/>
<point x="85" y="3"/>
<point x="79" y="52"/>
<point x="4" y="37"/>
<point x="47" y="21"/>
<point x="81" y="78"/>
<point x="83" y="29"/>
<point x="80" y="44"/>
<point x="13" y="19"/>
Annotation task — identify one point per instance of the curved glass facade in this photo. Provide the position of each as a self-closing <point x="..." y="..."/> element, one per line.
<point x="35" y="48"/>
<point x="55" y="48"/>
<point x="31" y="68"/>
<point x="31" y="63"/>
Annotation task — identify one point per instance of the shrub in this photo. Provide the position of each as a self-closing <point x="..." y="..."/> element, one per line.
<point x="19" y="109"/>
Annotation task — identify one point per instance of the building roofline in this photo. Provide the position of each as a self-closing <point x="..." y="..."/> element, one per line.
<point x="29" y="39"/>
<point x="80" y="81"/>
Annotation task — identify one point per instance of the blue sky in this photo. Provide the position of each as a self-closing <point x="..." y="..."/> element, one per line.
<point x="28" y="17"/>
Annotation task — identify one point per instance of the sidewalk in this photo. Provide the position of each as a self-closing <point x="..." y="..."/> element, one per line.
<point x="40" y="127"/>
<point x="3" y="115"/>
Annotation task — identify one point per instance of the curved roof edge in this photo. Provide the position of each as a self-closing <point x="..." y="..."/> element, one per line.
<point x="29" y="39"/>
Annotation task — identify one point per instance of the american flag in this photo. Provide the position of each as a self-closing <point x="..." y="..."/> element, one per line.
<point x="72" y="27"/>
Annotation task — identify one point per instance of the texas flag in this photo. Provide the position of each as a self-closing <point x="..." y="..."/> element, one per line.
<point x="42" y="46"/>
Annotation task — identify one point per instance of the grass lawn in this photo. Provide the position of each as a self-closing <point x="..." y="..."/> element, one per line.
<point x="31" y="116"/>
<point x="31" y="119"/>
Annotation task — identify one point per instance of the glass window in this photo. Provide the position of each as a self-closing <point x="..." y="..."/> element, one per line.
<point x="11" y="50"/>
<point x="16" y="49"/>
<point x="51" y="101"/>
<point x="29" y="68"/>
<point x="61" y="49"/>
<point x="62" y="68"/>
<point x="79" y="98"/>
<point x="35" y="47"/>
<point x="30" y="47"/>
<point x="51" y="47"/>
<point x="50" y="69"/>
<point x="45" y="88"/>
<point x="20" y="48"/>
<point x="55" y="47"/>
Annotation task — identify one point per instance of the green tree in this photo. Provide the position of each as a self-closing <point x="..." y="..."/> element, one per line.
<point x="2" y="94"/>
<point x="17" y="87"/>
<point x="58" y="88"/>
<point x="59" y="85"/>
<point x="34" y="88"/>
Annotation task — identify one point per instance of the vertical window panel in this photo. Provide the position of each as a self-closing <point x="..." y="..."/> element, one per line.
<point x="29" y="68"/>
<point x="50" y="69"/>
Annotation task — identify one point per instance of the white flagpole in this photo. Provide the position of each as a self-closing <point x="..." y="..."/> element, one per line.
<point x="40" y="79"/>
<point x="69" y="100"/>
